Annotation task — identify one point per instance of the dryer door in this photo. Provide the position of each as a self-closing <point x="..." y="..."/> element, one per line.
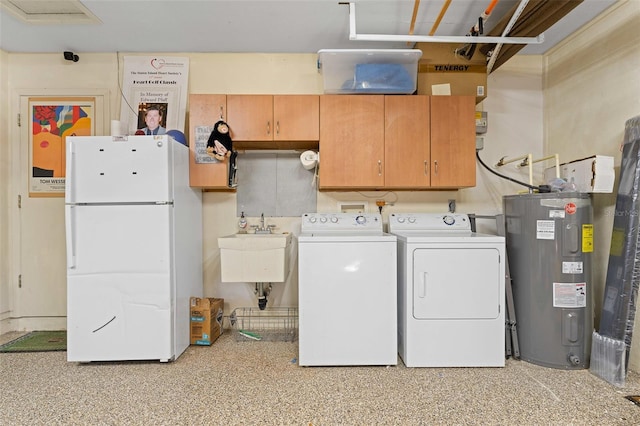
<point x="456" y="283"/>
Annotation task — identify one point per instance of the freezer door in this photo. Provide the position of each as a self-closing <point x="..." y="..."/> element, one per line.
<point x="104" y="169"/>
<point x="120" y="283"/>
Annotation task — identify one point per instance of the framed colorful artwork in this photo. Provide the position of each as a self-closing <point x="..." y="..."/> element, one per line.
<point x="51" y="120"/>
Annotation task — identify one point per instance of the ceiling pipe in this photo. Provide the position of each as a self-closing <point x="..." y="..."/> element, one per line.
<point x="353" y="35"/>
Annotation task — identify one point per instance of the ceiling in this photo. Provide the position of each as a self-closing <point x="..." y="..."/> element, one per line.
<point x="267" y="26"/>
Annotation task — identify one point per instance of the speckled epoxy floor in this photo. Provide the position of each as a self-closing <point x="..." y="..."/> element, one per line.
<point x="247" y="383"/>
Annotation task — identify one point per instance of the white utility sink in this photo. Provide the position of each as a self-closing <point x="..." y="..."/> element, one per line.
<point x="259" y="258"/>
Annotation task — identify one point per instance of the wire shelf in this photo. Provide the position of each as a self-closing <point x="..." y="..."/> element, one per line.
<point x="270" y="324"/>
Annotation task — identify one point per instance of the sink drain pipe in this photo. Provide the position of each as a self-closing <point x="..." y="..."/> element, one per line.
<point x="262" y="291"/>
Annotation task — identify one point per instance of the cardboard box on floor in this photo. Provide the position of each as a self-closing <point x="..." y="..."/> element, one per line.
<point x="440" y="66"/>
<point x="206" y="320"/>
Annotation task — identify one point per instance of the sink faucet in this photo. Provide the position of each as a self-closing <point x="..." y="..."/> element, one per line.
<point x="262" y="229"/>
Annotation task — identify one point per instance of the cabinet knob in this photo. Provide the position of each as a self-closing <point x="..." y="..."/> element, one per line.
<point x="278" y="127"/>
<point x="435" y="165"/>
<point x="426" y="168"/>
<point x="379" y="167"/>
<point x="268" y="127"/>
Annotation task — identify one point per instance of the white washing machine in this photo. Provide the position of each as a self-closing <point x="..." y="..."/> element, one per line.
<point x="451" y="292"/>
<point x="347" y="289"/>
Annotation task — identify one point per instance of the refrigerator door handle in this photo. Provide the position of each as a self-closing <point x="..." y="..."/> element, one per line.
<point x="70" y="223"/>
<point x="70" y="173"/>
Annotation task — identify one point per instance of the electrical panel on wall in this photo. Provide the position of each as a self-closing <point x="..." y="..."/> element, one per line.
<point x="481" y="122"/>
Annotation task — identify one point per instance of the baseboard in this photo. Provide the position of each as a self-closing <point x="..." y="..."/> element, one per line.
<point x="32" y="323"/>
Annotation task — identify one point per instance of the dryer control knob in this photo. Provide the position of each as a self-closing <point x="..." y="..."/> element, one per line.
<point x="400" y="219"/>
<point x="334" y="219"/>
<point x="312" y="219"/>
<point x="412" y="220"/>
<point x="449" y="220"/>
<point x="323" y="219"/>
<point x="361" y="220"/>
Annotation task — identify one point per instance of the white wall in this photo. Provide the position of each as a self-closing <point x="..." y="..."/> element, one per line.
<point x="514" y="108"/>
<point x="592" y="86"/>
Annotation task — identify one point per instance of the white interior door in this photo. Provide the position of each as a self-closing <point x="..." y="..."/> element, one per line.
<point x="37" y="226"/>
<point x="41" y="288"/>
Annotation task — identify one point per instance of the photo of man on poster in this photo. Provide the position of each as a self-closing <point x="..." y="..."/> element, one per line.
<point x="151" y="118"/>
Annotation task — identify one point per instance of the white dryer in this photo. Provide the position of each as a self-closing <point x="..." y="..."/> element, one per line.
<point x="347" y="308"/>
<point x="451" y="292"/>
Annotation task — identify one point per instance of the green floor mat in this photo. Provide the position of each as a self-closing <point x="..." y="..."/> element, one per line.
<point x="38" y="341"/>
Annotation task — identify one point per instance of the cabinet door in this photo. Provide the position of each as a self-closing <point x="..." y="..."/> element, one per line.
<point x="406" y="151"/>
<point x="296" y="117"/>
<point x="205" y="110"/>
<point x="250" y="117"/>
<point x="351" y="141"/>
<point x="453" y="142"/>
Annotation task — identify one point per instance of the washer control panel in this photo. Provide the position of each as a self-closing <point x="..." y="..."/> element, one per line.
<point x="429" y="222"/>
<point x="341" y="222"/>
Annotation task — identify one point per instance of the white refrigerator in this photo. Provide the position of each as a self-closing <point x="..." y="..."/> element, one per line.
<point x="134" y="248"/>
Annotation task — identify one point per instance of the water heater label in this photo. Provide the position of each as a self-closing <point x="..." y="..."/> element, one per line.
<point x="569" y="295"/>
<point x="545" y="229"/>
<point x="572" y="267"/>
<point x="556" y="214"/>
<point x="587" y="238"/>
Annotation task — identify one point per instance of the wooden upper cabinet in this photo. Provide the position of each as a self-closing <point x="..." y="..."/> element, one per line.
<point x="296" y="117"/>
<point x="273" y="117"/>
<point x="205" y="110"/>
<point x="351" y="141"/>
<point x="397" y="142"/>
<point x="453" y="142"/>
<point x="250" y="117"/>
<point x="407" y="138"/>
<point x="366" y="141"/>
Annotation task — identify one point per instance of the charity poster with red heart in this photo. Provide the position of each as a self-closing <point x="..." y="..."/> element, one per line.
<point x="154" y="94"/>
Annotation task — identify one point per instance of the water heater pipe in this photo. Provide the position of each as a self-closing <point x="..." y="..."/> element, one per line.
<point x="528" y="161"/>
